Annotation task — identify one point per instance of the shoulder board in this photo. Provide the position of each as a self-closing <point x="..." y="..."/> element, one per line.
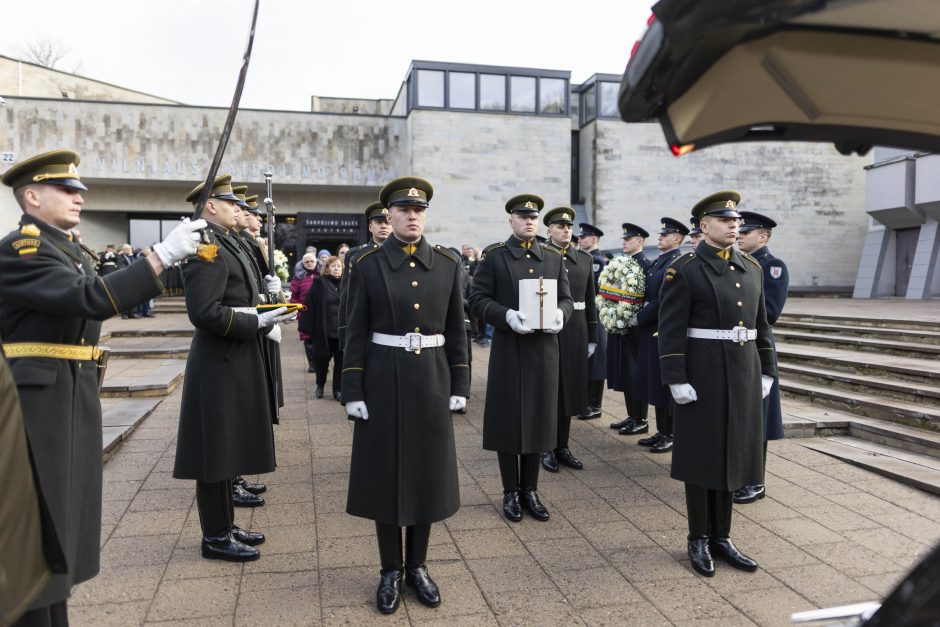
<point x="551" y="248"/>
<point x="366" y="253"/>
<point x="493" y="246"/>
<point x="30" y="229"/>
<point x="446" y="252"/>
<point x="679" y="263"/>
<point x="751" y="259"/>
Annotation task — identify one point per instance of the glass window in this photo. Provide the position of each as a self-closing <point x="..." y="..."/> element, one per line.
<point x="462" y="90"/>
<point x="430" y="88"/>
<point x="609" y="92"/>
<point x="522" y="90"/>
<point x="552" y="95"/>
<point x="492" y="92"/>
<point x="143" y="232"/>
<point x="588" y="105"/>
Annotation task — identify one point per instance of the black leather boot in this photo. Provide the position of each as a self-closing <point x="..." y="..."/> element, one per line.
<point x="650" y="441"/>
<point x="621" y="423"/>
<point x="251" y="538"/>
<point x="254" y="488"/>
<point x="226" y="547"/>
<point x="566" y="457"/>
<point x="549" y="462"/>
<point x="425" y="589"/>
<point x="590" y="413"/>
<point x="725" y="549"/>
<point x="663" y="446"/>
<point x="337" y="396"/>
<point x="318" y="392"/>
<point x="511" y="508"/>
<point x="243" y="498"/>
<point x="701" y="557"/>
<point x="388" y="595"/>
<point x="532" y="504"/>
<point x="749" y="494"/>
<point x="635" y="427"/>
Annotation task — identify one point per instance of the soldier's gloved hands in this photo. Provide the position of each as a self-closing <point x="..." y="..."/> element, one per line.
<point x="356" y="410"/>
<point x="682" y="393"/>
<point x="272" y="284"/>
<point x="516" y="321"/>
<point x="180" y="243"/>
<point x="633" y="322"/>
<point x="765" y="384"/>
<point x="458" y="402"/>
<point x="559" y="322"/>
<point x="270" y="318"/>
<point x="275" y="334"/>
<point x="592" y="346"/>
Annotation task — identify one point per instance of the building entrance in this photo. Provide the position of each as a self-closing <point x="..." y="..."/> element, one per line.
<point x="906" y="247"/>
<point x="329" y="230"/>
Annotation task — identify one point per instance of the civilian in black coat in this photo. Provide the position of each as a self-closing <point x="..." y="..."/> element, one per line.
<point x="322" y="324"/>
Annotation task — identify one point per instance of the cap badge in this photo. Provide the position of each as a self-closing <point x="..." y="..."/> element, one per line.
<point x="529" y="204"/>
<point x="730" y="204"/>
<point x="565" y="216"/>
<point x="385" y="210"/>
<point x="72" y="169"/>
<point x="413" y="193"/>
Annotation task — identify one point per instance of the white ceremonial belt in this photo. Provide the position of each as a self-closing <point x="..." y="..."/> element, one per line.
<point x="411" y="342"/>
<point x="579" y="305"/>
<point x="735" y="334"/>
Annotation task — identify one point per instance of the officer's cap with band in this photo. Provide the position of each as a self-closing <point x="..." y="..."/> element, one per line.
<point x="525" y="204"/>
<point x="377" y="211"/>
<point x="252" y="202"/>
<point x="240" y="191"/>
<point x="668" y="225"/>
<point x="559" y="215"/>
<point x="221" y="189"/>
<point x="632" y="230"/>
<point x="590" y="229"/>
<point x="751" y="221"/>
<point x="720" y="205"/>
<point x="58" y="167"/>
<point x="696" y="230"/>
<point x="407" y="190"/>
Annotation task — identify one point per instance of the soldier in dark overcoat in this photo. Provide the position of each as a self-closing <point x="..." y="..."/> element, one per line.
<point x="577" y="341"/>
<point x="649" y="382"/>
<point x="379" y="229"/>
<point x="405" y="370"/>
<point x="520" y="417"/>
<point x="225" y="422"/>
<point x="52" y="303"/>
<point x="717" y="358"/>
<point x="623" y="348"/>
<point x="753" y="234"/>
<point x="589" y="241"/>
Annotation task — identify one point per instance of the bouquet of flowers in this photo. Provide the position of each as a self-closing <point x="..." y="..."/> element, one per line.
<point x="280" y="265"/>
<point x="620" y="293"/>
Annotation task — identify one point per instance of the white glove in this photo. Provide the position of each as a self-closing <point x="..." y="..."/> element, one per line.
<point x="357" y="409"/>
<point x="592" y="346"/>
<point x="682" y="393"/>
<point x="270" y="318"/>
<point x="516" y="321"/>
<point x="272" y="284"/>
<point x="632" y="322"/>
<point x="458" y="402"/>
<point x="765" y="384"/>
<point x="180" y="243"/>
<point x="559" y="322"/>
<point x="275" y="334"/>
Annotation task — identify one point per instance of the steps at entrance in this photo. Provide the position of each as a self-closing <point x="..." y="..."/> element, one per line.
<point x="888" y="387"/>
<point x="878" y="321"/>
<point x="843" y="360"/>
<point x="119" y="417"/>
<point x="149" y="347"/>
<point x="851" y="327"/>
<point x="921" y="350"/>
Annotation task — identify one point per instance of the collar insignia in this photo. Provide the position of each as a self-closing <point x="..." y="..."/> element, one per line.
<point x="30" y="229"/>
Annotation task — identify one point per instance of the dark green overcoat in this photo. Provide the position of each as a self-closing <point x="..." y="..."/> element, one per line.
<point x="580" y="329"/>
<point x="719" y="437"/>
<point x="404" y="463"/>
<point x="521" y="409"/>
<point x="52" y="294"/>
<point x="225" y="422"/>
<point x="351" y="255"/>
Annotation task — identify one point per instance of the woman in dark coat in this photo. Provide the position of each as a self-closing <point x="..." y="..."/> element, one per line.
<point x="299" y="287"/>
<point x="321" y="324"/>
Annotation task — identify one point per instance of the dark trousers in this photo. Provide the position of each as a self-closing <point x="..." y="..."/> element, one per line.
<point x="519" y="471"/>
<point x="709" y="511"/>
<point x="636" y="408"/>
<point x="323" y="364"/>
<point x="596" y="393"/>
<point x="216" y="507"/>
<point x="664" y="420"/>
<point x="55" y="615"/>
<point x="311" y="353"/>
<point x="564" y="431"/>
<point x="390" y="545"/>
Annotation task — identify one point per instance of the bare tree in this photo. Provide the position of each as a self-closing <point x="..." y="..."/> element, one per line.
<point x="44" y="51"/>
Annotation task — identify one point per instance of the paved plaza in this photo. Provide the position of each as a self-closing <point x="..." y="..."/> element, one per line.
<point x="613" y="552"/>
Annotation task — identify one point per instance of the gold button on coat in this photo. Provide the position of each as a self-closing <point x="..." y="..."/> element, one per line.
<point x="412" y="264"/>
<point x="531" y="270"/>
<point x="737" y="285"/>
<point x="417" y="306"/>
<point x="414" y="284"/>
<point x="740" y="304"/>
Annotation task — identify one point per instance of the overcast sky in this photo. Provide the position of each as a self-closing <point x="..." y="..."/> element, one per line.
<point x="191" y="50"/>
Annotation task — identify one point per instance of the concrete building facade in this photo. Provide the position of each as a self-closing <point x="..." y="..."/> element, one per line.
<point x="480" y="134"/>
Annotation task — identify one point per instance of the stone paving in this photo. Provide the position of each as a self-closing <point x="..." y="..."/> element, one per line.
<point x="612" y="553"/>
